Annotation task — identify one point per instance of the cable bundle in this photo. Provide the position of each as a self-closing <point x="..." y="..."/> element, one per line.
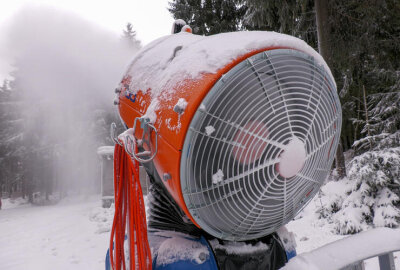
<point x="129" y="210"/>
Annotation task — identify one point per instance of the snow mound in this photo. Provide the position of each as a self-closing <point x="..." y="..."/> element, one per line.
<point x="13" y="203"/>
<point x="237" y="248"/>
<point x="103" y="217"/>
<point x="179" y="248"/>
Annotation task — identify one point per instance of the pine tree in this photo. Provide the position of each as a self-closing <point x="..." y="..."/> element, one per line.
<point x="370" y="197"/>
<point x="209" y="16"/>
<point x="296" y="18"/>
<point x="366" y="52"/>
<point x="129" y="37"/>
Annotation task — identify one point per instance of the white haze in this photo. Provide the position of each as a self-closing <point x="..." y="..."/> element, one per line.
<point x="66" y="69"/>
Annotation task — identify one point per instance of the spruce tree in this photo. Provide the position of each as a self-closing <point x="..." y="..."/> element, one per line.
<point x="293" y="17"/>
<point x="365" y="34"/>
<point x="129" y="37"/>
<point x="209" y="16"/>
<point x="369" y="198"/>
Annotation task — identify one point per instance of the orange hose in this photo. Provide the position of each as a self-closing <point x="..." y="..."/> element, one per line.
<point x="129" y="210"/>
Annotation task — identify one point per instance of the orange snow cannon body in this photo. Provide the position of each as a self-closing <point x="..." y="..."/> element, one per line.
<point x="247" y="124"/>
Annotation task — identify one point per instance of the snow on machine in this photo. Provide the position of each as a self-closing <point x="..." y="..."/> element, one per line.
<point x="237" y="132"/>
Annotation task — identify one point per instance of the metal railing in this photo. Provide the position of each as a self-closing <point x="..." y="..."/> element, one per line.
<point x="351" y="252"/>
<point x="386" y="262"/>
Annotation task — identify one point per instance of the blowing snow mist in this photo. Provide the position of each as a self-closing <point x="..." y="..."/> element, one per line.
<point x="65" y="70"/>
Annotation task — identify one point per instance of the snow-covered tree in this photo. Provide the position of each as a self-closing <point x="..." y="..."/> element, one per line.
<point x="129" y="38"/>
<point x="209" y="16"/>
<point x="369" y="197"/>
<point x="375" y="192"/>
<point x="296" y="18"/>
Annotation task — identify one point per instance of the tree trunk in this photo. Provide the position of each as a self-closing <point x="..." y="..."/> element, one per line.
<point x="366" y="111"/>
<point x="358" y="116"/>
<point x="323" y="30"/>
<point x="340" y="161"/>
<point x="30" y="194"/>
<point x="324" y="47"/>
<point x="366" y="118"/>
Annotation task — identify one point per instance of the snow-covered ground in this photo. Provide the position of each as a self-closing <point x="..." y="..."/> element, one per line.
<point x="62" y="236"/>
<point x="311" y="232"/>
<point x="74" y="234"/>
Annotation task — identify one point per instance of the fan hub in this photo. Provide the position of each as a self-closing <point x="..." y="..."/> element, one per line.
<point x="292" y="158"/>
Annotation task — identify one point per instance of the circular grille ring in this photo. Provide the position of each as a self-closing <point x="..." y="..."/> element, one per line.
<point x="260" y="145"/>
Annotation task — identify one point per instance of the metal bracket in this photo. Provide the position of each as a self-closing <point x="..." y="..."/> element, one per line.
<point x="130" y="141"/>
<point x="144" y="124"/>
<point x="147" y="128"/>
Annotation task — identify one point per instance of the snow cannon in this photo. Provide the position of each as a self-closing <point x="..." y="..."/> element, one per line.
<point x="240" y="129"/>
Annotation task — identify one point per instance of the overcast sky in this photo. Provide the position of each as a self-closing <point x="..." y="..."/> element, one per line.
<point x="150" y="18"/>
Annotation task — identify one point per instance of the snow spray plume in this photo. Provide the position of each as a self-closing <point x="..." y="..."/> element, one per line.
<point x="66" y="69"/>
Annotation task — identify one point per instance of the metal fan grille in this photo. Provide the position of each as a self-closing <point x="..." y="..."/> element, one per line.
<point x="231" y="177"/>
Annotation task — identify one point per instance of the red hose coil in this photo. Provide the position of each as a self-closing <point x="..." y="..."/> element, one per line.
<point x="129" y="210"/>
